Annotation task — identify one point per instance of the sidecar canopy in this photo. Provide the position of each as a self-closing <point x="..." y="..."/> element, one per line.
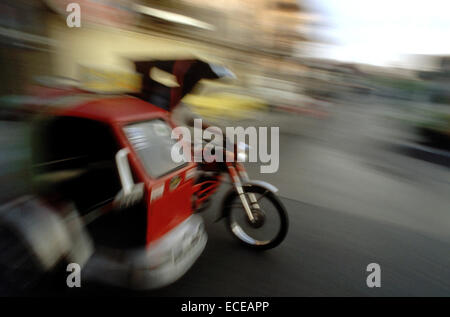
<point x="166" y="82"/>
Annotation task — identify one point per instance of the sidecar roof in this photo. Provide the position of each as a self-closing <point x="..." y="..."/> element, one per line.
<point x="186" y="73"/>
<point x="113" y="109"/>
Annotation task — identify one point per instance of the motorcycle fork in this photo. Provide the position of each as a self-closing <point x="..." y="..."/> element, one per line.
<point x="244" y="176"/>
<point x="236" y="173"/>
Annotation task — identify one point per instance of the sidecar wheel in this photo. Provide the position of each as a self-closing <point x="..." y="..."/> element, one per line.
<point x="270" y="214"/>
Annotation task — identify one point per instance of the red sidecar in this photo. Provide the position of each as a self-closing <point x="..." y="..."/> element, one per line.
<point x="108" y="195"/>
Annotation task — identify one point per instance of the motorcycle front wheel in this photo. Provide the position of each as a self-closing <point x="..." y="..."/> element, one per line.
<point x="270" y="224"/>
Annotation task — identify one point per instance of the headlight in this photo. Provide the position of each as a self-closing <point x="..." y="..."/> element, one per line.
<point x="241" y="152"/>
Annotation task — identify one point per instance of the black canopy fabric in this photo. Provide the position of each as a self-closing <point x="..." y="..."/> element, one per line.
<point x="187" y="73"/>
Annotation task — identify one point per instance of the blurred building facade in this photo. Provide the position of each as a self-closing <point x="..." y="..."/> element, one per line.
<point x="258" y="39"/>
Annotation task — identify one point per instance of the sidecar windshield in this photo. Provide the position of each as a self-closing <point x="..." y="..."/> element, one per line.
<point x="152" y="142"/>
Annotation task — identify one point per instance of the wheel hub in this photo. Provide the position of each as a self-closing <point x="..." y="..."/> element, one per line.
<point x="258" y="219"/>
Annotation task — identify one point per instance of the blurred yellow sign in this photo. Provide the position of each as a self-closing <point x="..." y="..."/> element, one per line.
<point x="224" y="105"/>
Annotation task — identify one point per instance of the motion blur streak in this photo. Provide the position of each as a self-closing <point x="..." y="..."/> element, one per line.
<point x="364" y="135"/>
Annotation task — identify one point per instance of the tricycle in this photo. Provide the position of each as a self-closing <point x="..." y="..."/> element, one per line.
<point x="109" y="197"/>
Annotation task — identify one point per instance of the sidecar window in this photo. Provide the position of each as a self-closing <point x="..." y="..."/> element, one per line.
<point x="153" y="144"/>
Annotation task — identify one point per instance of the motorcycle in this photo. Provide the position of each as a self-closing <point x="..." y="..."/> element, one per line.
<point x="249" y="206"/>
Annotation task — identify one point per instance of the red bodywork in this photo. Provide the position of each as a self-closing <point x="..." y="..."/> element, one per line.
<point x="175" y="205"/>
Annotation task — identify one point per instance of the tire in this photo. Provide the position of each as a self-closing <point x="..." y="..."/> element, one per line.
<point x="233" y="199"/>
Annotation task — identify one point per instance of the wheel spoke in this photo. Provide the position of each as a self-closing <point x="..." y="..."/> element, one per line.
<point x="263" y="195"/>
<point x="236" y="205"/>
